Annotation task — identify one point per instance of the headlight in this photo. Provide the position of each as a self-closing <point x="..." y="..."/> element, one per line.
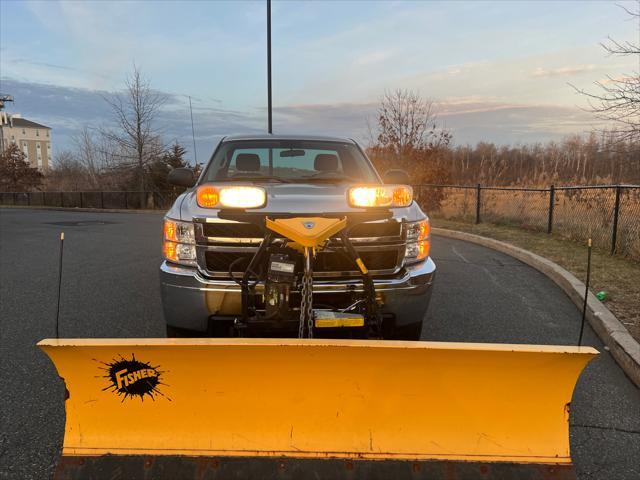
<point x="209" y="196"/>
<point x="418" y="241"/>
<point x="181" y="232"/>
<point x="179" y="242"/>
<point x="380" y="196"/>
<point x="418" y="231"/>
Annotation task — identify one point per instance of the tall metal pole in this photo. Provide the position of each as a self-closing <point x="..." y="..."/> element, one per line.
<point x="586" y="292"/>
<point x="59" y="285"/>
<point x="552" y="201"/>
<point x="616" y="214"/>
<point x="270" y="120"/>
<point x="478" y="193"/>
<point x="193" y="135"/>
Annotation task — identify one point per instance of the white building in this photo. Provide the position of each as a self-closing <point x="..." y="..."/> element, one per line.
<point x="33" y="138"/>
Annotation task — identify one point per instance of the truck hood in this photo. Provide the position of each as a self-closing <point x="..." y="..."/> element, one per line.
<point x="304" y="198"/>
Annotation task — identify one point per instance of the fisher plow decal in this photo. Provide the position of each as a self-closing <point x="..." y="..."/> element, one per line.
<point x="133" y="378"/>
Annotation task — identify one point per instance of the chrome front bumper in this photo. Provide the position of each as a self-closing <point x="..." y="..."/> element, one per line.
<point x="189" y="299"/>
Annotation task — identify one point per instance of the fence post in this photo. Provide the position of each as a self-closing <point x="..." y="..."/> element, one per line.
<point x="61" y="200"/>
<point x="29" y="198"/>
<point x="14" y="198"/>
<point x="552" y="199"/>
<point x="616" y="213"/>
<point x="101" y="199"/>
<point x="126" y="200"/>
<point x="479" y="188"/>
<point x="81" y="202"/>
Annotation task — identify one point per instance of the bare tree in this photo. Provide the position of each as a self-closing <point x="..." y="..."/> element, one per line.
<point x="618" y="98"/>
<point x="135" y="111"/>
<point x="577" y="159"/>
<point x="406" y="123"/>
<point x="407" y="136"/>
<point x="67" y="173"/>
<point x="88" y="155"/>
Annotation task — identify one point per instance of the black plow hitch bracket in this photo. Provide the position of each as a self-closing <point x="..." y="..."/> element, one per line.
<point x="255" y="273"/>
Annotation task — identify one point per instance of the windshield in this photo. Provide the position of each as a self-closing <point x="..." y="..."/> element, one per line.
<point x="290" y="161"/>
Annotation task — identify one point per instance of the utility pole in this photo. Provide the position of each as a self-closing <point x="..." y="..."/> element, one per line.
<point x="3" y="99"/>
<point x="270" y="118"/>
<point x="193" y="135"/>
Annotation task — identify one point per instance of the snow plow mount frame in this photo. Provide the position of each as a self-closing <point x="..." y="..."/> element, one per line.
<point x="268" y="223"/>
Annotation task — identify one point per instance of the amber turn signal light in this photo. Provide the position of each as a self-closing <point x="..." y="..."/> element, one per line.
<point x="208" y="196"/>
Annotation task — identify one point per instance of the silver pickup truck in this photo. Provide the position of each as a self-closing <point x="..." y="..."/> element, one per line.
<point x="295" y="233"/>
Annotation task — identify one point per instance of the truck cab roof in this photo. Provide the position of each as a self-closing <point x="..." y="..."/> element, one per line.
<point x="264" y="136"/>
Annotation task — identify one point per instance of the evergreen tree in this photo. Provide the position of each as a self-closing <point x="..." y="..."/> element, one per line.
<point x="16" y="175"/>
<point x="160" y="167"/>
<point x="173" y="157"/>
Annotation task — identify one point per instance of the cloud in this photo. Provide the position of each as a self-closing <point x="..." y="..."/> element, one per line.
<point x="21" y="61"/>
<point x="471" y="119"/>
<point x="563" y="71"/>
<point x="340" y="119"/>
<point x="218" y="48"/>
<point x="68" y="109"/>
<point x="103" y="39"/>
<point x="512" y="123"/>
<point x="376" y="56"/>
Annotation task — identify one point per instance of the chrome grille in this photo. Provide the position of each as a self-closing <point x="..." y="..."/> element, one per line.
<point x="221" y="244"/>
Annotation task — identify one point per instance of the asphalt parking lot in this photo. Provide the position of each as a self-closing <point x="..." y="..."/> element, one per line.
<point x="110" y="289"/>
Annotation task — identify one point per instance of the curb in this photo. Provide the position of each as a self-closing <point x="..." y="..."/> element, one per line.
<point x="78" y="209"/>
<point x="624" y="348"/>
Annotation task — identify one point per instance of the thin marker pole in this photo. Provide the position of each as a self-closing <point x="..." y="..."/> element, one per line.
<point x="193" y="134"/>
<point x="59" y="284"/>
<point x="586" y="292"/>
<point x="270" y="118"/>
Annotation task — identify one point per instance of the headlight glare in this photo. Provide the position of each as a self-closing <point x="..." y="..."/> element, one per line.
<point x="242" y="197"/>
<point x="402" y="196"/>
<point x="371" y="196"/>
<point x="233" y="196"/>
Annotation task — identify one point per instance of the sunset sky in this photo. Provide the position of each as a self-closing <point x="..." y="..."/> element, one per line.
<point x="498" y="71"/>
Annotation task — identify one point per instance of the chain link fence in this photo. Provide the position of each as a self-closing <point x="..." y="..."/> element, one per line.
<point x="608" y="214"/>
<point x="109" y="200"/>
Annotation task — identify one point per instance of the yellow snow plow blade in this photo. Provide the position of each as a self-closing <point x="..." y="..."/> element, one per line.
<point x="317" y="398"/>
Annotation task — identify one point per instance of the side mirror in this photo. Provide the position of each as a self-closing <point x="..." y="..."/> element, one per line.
<point x="396" y="176"/>
<point x="182" y="177"/>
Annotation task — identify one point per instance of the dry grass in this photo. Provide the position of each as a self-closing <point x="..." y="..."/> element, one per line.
<point x="618" y="277"/>
<point x="578" y="214"/>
